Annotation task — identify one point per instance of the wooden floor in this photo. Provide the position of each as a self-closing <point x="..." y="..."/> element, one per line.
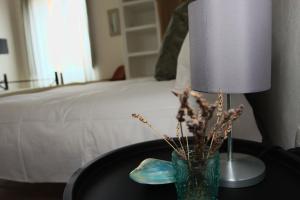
<point x="22" y="191"/>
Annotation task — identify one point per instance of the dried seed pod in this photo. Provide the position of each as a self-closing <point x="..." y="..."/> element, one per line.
<point x="206" y="142"/>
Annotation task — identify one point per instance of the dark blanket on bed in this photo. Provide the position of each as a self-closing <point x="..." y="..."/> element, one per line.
<point x="176" y="32"/>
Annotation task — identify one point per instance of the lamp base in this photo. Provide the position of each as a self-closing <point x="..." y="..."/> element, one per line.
<point x="242" y="171"/>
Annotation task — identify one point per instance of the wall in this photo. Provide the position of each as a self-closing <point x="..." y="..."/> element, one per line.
<point x="15" y="63"/>
<point x="285" y="95"/>
<point x="279" y="109"/>
<point x="108" y="51"/>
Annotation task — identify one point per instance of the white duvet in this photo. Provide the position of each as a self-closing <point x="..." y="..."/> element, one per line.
<point x="46" y="136"/>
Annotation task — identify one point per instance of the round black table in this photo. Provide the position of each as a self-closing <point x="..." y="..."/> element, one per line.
<point x="107" y="178"/>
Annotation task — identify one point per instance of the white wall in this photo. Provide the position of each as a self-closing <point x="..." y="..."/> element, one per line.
<point x="108" y="51"/>
<point x="284" y="110"/>
<point x="279" y="109"/>
<point x="15" y="63"/>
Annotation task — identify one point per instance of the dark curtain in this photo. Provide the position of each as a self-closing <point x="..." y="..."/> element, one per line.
<point x="255" y="101"/>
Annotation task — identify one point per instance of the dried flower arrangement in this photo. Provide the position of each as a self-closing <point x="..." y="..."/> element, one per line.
<point x="205" y="141"/>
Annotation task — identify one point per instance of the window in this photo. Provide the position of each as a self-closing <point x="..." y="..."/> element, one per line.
<point x="58" y="40"/>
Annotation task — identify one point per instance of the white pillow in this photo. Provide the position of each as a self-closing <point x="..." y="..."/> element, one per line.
<point x="183" y="76"/>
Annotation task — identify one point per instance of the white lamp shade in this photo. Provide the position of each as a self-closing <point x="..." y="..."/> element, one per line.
<point x="230" y="43"/>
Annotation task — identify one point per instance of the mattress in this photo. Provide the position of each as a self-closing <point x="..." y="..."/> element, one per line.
<point x="46" y="136"/>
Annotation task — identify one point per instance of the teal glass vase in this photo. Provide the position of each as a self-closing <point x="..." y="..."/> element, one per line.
<point x="197" y="179"/>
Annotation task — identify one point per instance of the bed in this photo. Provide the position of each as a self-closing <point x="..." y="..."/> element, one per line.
<point x="46" y="136"/>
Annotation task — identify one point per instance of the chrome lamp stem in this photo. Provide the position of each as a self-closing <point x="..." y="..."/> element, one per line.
<point x="229" y="141"/>
<point x="239" y="170"/>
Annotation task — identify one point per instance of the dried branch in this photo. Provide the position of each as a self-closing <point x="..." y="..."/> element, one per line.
<point x="206" y="143"/>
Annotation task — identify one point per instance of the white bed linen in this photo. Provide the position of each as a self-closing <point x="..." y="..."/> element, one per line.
<point x="46" y="136"/>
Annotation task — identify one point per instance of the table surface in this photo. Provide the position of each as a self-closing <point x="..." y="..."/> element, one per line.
<point x="107" y="178"/>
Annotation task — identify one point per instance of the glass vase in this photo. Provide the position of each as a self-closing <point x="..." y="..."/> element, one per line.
<point x="197" y="179"/>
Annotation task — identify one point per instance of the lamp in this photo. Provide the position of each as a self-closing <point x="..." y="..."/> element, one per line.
<point x="3" y="46"/>
<point x="4" y="50"/>
<point x="230" y="43"/>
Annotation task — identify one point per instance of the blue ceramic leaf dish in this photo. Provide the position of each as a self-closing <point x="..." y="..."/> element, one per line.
<point x="154" y="172"/>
